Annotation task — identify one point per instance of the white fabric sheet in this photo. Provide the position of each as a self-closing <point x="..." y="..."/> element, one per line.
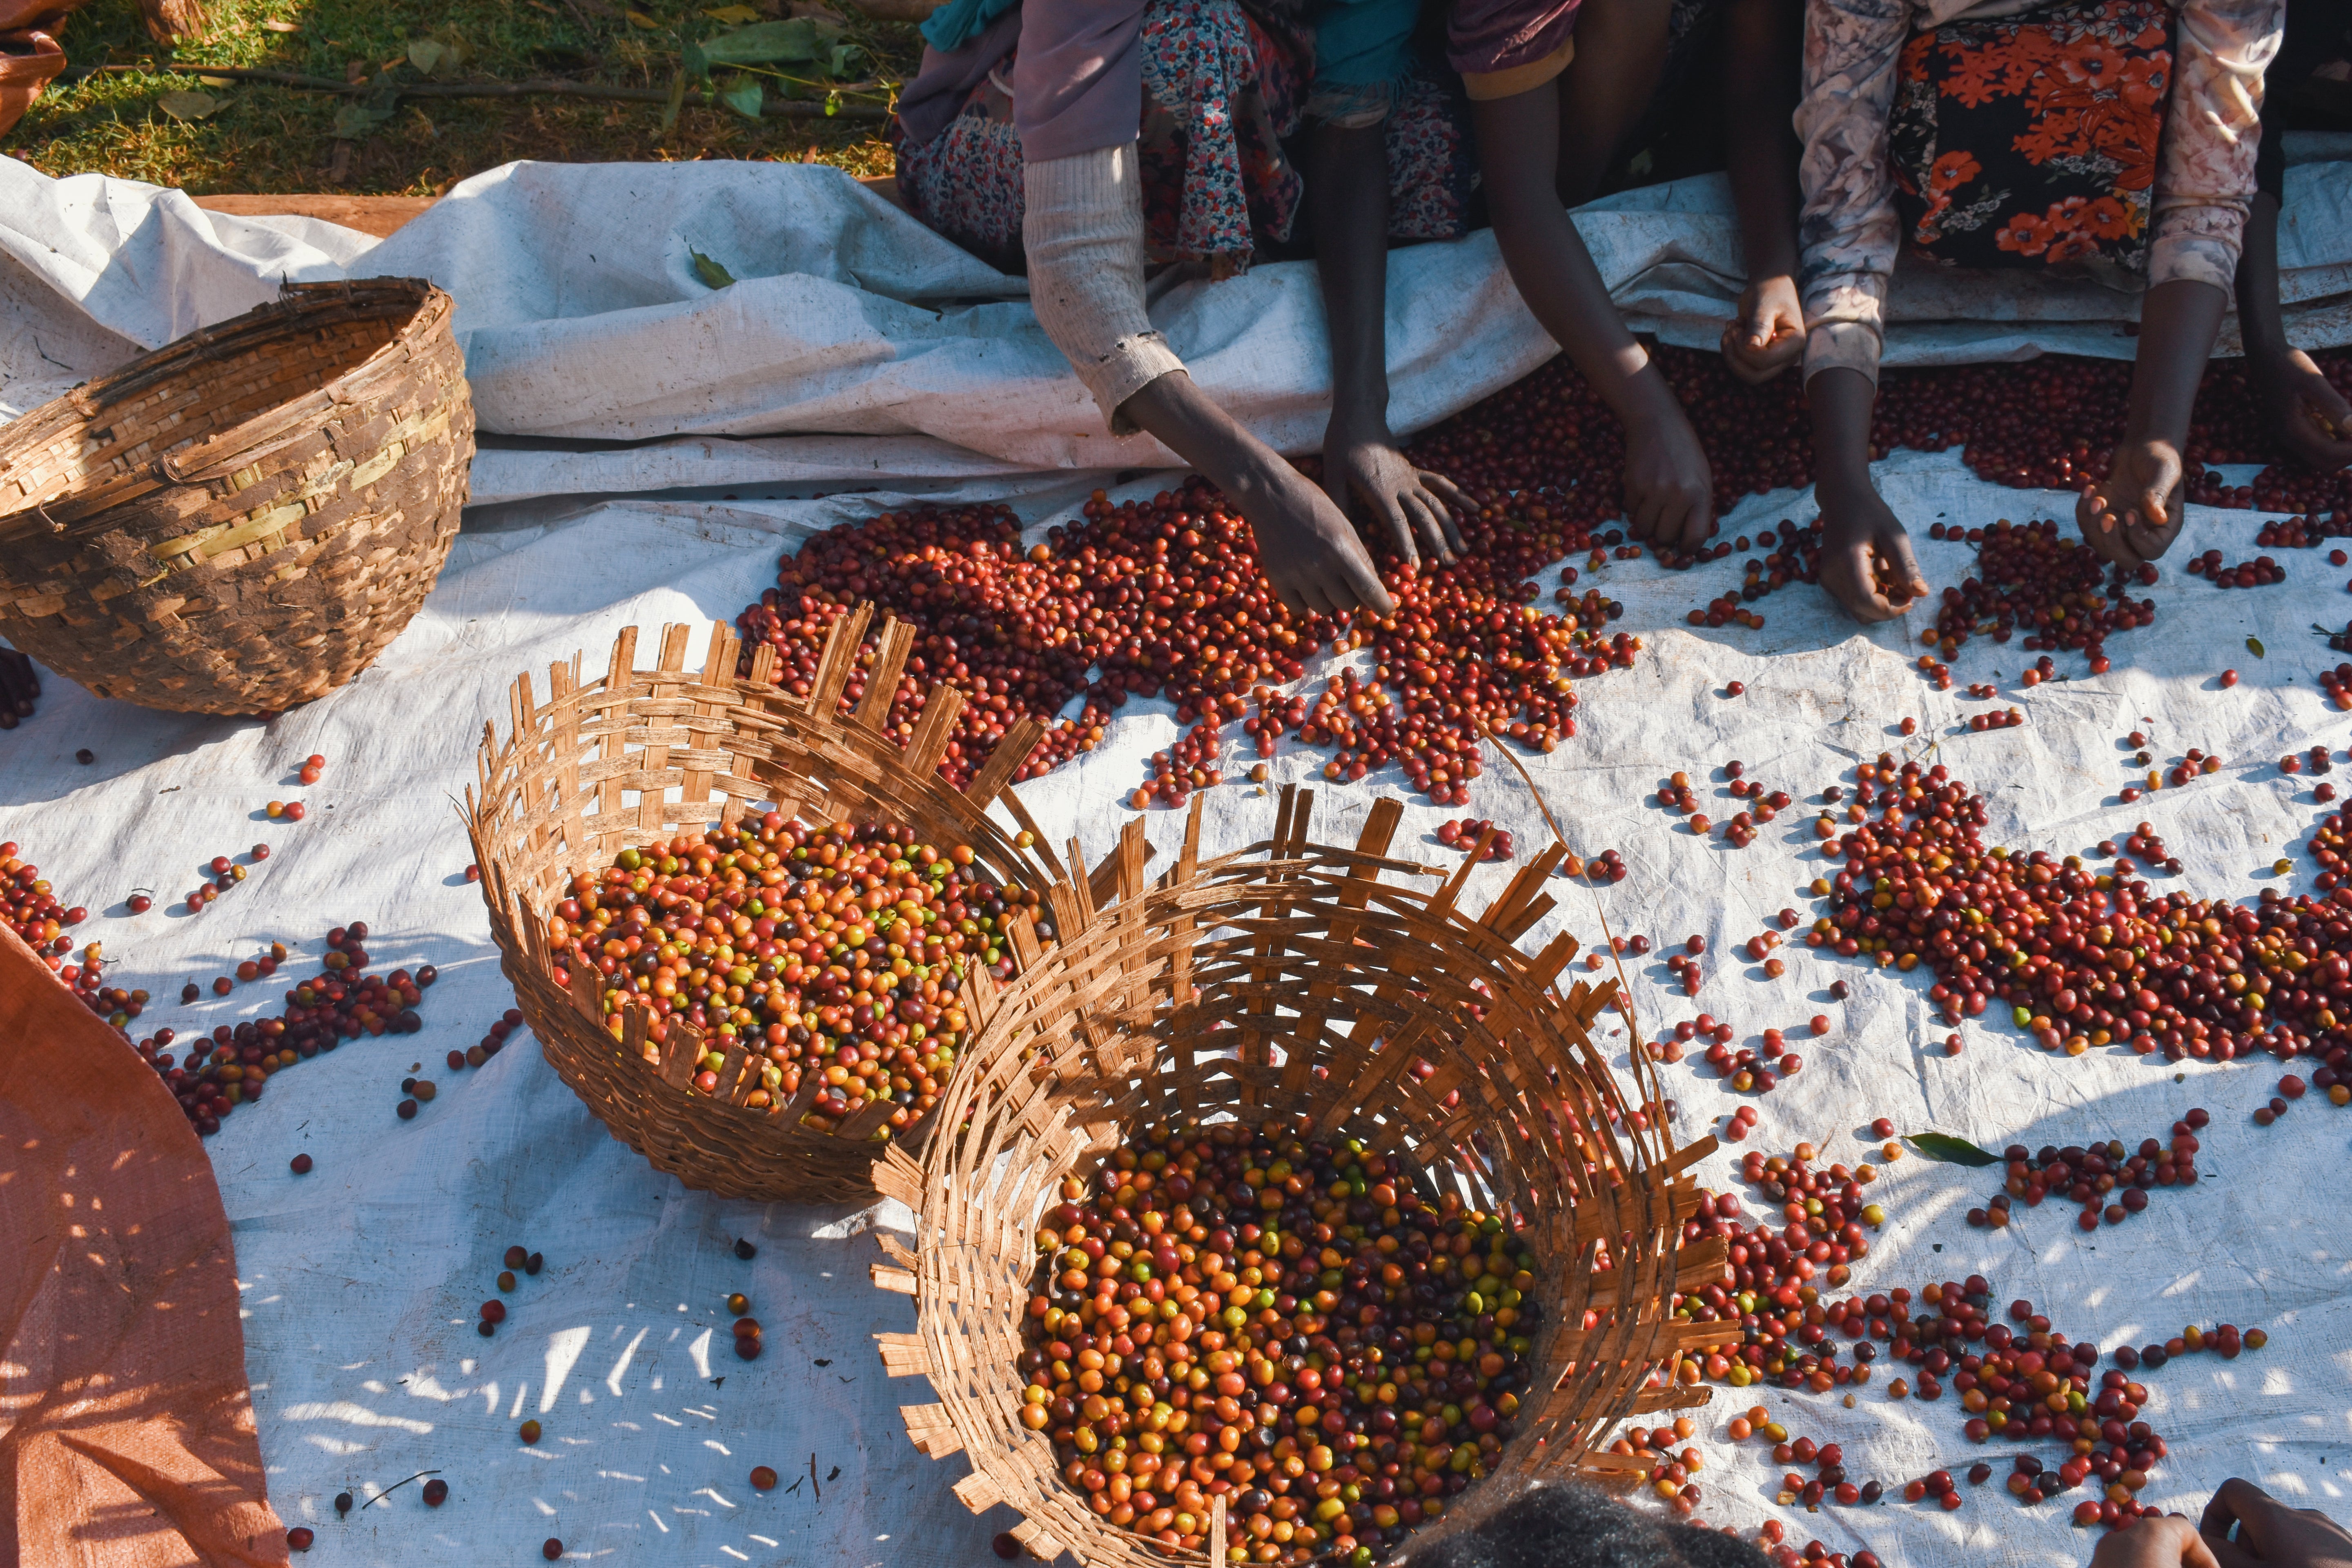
<point x="853" y="329"/>
<point x="362" y="1280"/>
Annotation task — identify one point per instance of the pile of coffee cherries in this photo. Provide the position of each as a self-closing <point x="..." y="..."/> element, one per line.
<point x="1463" y="834"/>
<point x="1793" y="554"/>
<point x="1283" y="1322"/>
<point x="2328" y="842"/>
<point x="2028" y="579"/>
<point x="34" y="911"/>
<point x="2302" y="533"/>
<point x="1190" y="764"/>
<point x="212" y="1077"/>
<point x="2093" y="1177"/>
<point x="490" y="1044"/>
<point x="1785" y="1325"/>
<point x="838" y="950"/>
<point x="226" y="872"/>
<point x="2084" y="958"/>
<point x="2259" y="572"/>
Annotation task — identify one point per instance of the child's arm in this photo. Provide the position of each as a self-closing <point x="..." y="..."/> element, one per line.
<point x="1760" y="62"/>
<point x="2311" y="417"/>
<point x="1669" y="490"/>
<point x="1348" y="207"/>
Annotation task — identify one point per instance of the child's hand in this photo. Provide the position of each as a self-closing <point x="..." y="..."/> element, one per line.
<point x="1863" y="546"/>
<point x="2136" y="515"/>
<point x="1365" y="466"/>
<point x="2270" y="1532"/>
<point x="1669" y="488"/>
<point x="1769" y="335"/>
<point x="2313" y="420"/>
<point x="2154" y="1540"/>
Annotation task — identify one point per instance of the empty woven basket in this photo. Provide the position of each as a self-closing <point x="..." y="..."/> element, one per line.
<point x="1295" y="981"/>
<point x="241" y="521"/>
<point x="635" y="755"/>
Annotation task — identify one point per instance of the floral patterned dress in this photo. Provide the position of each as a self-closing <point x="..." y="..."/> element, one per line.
<point x="2116" y="135"/>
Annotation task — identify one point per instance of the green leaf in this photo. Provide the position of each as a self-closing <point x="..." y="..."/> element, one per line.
<point x="743" y="96"/>
<point x="187" y="106"/>
<point x="676" y="102"/>
<point x="1950" y="1151"/>
<point x="798" y="40"/>
<point x="2255" y="646"/>
<point x="362" y="116"/>
<point x="845" y="60"/>
<point x="713" y="275"/>
<point x="693" y="62"/>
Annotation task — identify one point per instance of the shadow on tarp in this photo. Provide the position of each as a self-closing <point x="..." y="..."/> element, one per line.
<point x="128" y="1436"/>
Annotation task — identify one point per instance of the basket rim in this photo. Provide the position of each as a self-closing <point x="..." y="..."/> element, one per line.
<point x="423" y="309"/>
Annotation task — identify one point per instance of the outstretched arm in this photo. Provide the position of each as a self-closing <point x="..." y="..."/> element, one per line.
<point x="1669" y="490"/>
<point x="1760" y="63"/>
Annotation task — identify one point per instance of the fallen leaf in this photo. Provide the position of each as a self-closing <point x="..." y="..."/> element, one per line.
<point x="639" y="19"/>
<point x="218" y="80"/>
<point x="427" y="56"/>
<point x="362" y="117"/>
<point x="2255" y="646"/>
<point x="676" y="100"/>
<point x="713" y="275"/>
<point x="799" y="40"/>
<point x="185" y="106"/>
<point x="1950" y="1151"/>
<point x="733" y="16"/>
<point x="743" y="96"/>
<point x="274" y="26"/>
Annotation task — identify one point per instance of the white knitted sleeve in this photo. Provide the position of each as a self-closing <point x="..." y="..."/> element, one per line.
<point x="1082" y="227"/>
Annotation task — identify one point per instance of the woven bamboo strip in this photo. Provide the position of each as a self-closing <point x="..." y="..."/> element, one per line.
<point x="1295" y="979"/>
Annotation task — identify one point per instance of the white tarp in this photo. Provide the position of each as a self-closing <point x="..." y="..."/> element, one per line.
<point x="853" y="329"/>
<point x="362" y="1280"/>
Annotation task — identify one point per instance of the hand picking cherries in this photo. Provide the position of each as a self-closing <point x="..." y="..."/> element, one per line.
<point x="1216" y="1277"/>
<point x="2028" y="579"/>
<point x="838" y="952"/>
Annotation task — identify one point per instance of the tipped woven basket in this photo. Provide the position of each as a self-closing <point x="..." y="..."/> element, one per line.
<point x="613" y="763"/>
<point x="241" y="521"/>
<point x="1290" y="981"/>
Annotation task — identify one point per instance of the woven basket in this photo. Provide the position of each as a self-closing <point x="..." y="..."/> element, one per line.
<point x="241" y="521"/>
<point x="1290" y="981"/>
<point x="639" y="754"/>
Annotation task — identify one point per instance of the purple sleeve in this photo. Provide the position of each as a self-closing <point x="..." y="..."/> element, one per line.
<point x="937" y="95"/>
<point x="1077" y="81"/>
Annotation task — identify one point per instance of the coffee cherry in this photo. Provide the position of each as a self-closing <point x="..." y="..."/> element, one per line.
<point x="299" y="1538"/>
<point x="342" y="1502"/>
<point x="550" y="1549"/>
<point x="301" y="1164"/>
<point x="763" y="1478"/>
<point x="436" y="1492"/>
<point x="528" y="1432"/>
<point x="745" y="1251"/>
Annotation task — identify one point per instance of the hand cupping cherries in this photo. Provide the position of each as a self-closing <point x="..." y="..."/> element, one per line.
<point x="1282" y="1322"/>
<point x="840" y="950"/>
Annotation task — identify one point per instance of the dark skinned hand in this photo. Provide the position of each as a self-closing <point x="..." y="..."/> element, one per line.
<point x="1769" y="335"/>
<point x="20" y="683"/>
<point x="2137" y="514"/>
<point x="2245" y="1527"/>
<point x="2313" y="420"/>
<point x="2154" y="1540"/>
<point x="1362" y="464"/>
<point x="1864" y="545"/>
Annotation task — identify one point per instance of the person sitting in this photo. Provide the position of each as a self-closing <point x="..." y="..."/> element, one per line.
<point x="2112" y="138"/>
<point x="2304" y="84"/>
<point x="1022" y="140"/>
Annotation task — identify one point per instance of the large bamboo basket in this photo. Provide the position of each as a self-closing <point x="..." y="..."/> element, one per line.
<point x="1294" y="980"/>
<point x="607" y="764"/>
<point x="241" y="521"/>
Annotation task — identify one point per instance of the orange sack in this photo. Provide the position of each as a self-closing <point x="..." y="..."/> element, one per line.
<point x="126" y="1430"/>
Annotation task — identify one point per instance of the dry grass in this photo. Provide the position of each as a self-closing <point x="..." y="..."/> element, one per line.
<point x="272" y="139"/>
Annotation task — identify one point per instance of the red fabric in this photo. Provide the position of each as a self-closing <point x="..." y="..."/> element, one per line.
<point x="126" y="1430"/>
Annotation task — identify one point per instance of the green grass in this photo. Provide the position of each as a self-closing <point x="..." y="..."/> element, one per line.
<point x="273" y="138"/>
